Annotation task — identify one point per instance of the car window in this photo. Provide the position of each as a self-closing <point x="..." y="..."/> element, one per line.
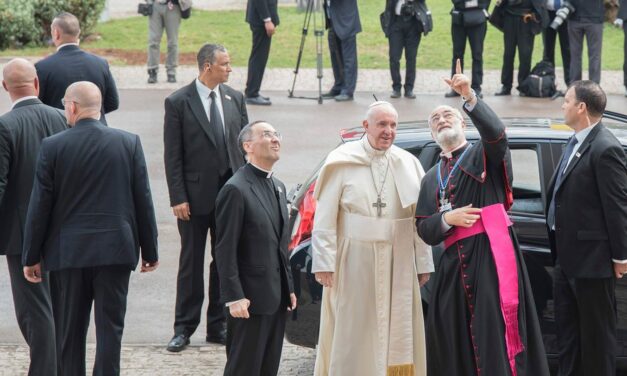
<point x="527" y="188"/>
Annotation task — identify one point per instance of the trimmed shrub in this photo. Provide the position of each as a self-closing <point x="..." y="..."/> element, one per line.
<point x="28" y="21"/>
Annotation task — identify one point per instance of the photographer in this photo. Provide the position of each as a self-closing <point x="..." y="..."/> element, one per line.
<point x="523" y="20"/>
<point x="587" y="20"/>
<point x="620" y="23"/>
<point x="550" y="34"/>
<point x="407" y="20"/>
<point x="164" y="14"/>
<point x="468" y="22"/>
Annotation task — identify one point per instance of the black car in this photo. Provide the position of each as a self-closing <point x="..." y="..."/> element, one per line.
<point x="536" y="147"/>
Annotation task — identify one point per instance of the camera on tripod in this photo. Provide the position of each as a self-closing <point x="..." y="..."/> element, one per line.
<point x="409" y="8"/>
<point x="562" y="14"/>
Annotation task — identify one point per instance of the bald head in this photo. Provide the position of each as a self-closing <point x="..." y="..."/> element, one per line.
<point x="19" y="78"/>
<point x="67" y="28"/>
<point x="86" y="99"/>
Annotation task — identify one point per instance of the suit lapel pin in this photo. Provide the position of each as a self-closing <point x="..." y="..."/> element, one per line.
<point x="227" y="96"/>
<point x="280" y="190"/>
<point x="577" y="154"/>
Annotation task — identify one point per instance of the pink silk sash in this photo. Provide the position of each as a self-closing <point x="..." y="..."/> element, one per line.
<point x="494" y="222"/>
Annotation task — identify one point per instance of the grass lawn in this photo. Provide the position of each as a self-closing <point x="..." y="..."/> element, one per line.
<point x="124" y="41"/>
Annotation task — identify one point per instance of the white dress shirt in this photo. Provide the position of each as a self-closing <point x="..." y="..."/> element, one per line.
<point x="22" y="100"/>
<point x="203" y="93"/>
<point x="67" y="44"/>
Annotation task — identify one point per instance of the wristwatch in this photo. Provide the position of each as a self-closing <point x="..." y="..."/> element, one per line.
<point x="471" y="97"/>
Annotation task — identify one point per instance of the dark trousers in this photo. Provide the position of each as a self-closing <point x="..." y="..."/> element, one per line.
<point x="585" y="314"/>
<point x="549" y="37"/>
<point x="475" y="36"/>
<point x="73" y="291"/>
<point x="405" y="33"/>
<point x="257" y="60"/>
<point x="593" y="32"/>
<point x="33" y="310"/>
<point x="625" y="56"/>
<point x="344" y="63"/>
<point x="253" y="345"/>
<point x="190" y="287"/>
<point x="516" y="35"/>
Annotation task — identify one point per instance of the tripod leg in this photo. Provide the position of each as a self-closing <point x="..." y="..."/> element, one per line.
<point x="306" y="22"/>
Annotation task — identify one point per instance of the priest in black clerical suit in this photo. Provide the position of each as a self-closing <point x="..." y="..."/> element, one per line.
<point x="482" y="317"/>
<point x="251" y="253"/>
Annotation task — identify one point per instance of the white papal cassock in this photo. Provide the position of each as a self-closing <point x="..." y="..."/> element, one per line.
<point x="371" y="321"/>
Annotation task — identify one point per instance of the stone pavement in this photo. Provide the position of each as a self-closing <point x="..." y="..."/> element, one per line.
<point x="147" y="360"/>
<point x="428" y="81"/>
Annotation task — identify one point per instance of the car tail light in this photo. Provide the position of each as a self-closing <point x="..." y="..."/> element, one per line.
<point x="304" y="220"/>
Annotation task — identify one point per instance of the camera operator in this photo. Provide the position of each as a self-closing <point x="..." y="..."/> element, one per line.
<point x="523" y="20"/>
<point x="550" y="34"/>
<point x="621" y="19"/>
<point x="469" y="22"/>
<point x="407" y="20"/>
<point x="586" y="20"/>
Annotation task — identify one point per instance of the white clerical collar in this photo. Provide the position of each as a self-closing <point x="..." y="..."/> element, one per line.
<point x="22" y="100"/>
<point x="67" y="44"/>
<point x="372" y="152"/>
<point x="582" y="134"/>
<point x="269" y="173"/>
<point x="449" y="154"/>
<point x="205" y="91"/>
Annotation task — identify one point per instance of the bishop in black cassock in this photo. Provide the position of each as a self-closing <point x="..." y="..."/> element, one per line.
<point x="482" y="318"/>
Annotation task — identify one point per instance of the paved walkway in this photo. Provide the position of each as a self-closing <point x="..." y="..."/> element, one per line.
<point x="156" y="361"/>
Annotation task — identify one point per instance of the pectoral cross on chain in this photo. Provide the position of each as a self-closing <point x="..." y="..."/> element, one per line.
<point x="379" y="205"/>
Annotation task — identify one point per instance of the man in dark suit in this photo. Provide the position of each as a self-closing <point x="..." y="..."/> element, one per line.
<point x="90" y="213"/>
<point x="586" y="21"/>
<point x="263" y="18"/>
<point x="587" y="217"/>
<point x="202" y="122"/>
<point x="342" y="21"/>
<point x="21" y="131"/>
<point x="71" y="64"/>
<point x="523" y="20"/>
<point x="620" y="23"/>
<point x="251" y="251"/>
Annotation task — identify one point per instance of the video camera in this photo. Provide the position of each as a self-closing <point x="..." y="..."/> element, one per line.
<point x="561" y="15"/>
<point x="409" y="8"/>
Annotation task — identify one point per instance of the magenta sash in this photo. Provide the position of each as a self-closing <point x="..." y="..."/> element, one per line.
<point x="494" y="222"/>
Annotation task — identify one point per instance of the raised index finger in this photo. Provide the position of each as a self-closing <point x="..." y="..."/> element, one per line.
<point x="458" y="66"/>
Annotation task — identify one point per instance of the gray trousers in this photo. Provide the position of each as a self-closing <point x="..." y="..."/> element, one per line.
<point x="594" y="39"/>
<point x="170" y="20"/>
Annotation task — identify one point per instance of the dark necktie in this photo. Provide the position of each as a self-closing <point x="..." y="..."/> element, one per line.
<point x="218" y="132"/>
<point x="550" y="218"/>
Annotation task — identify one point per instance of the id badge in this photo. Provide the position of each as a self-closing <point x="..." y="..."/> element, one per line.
<point x="446" y="207"/>
<point x="471" y="4"/>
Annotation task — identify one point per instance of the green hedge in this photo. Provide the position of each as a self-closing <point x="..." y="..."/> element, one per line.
<point x="27" y="22"/>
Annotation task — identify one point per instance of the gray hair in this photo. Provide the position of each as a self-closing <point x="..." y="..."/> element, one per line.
<point x="207" y="54"/>
<point x="68" y="24"/>
<point x="377" y="107"/>
<point x="455" y="111"/>
<point x="246" y="134"/>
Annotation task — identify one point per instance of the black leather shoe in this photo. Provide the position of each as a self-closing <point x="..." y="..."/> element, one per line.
<point x="258" y="101"/>
<point x="451" y="94"/>
<point x="504" y="91"/>
<point x="410" y="94"/>
<point x="343" y="98"/>
<point x="171" y="78"/>
<point x="330" y="94"/>
<point x="178" y="343"/>
<point x="219" y="338"/>
<point x="395" y="94"/>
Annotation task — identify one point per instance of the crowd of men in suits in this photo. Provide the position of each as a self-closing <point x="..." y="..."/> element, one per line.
<point x="77" y="216"/>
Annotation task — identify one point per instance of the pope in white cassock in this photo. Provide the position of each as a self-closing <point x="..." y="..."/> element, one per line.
<point x="368" y="256"/>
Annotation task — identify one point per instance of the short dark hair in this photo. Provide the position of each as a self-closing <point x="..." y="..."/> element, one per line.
<point x="246" y="134"/>
<point x="590" y="93"/>
<point x="207" y="54"/>
<point x="68" y="24"/>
